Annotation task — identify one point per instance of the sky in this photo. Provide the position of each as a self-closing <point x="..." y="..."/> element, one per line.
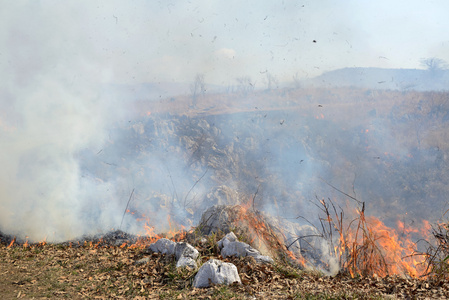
<point x="55" y="57"/>
<point x="172" y="41"/>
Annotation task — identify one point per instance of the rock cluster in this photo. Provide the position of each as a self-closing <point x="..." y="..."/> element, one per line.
<point x="185" y="253"/>
<point x="213" y="271"/>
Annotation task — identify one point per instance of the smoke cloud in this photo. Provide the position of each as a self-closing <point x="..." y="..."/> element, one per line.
<point x="72" y="151"/>
<point x="51" y="108"/>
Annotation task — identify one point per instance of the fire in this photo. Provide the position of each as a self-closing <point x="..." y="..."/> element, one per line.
<point x="397" y="252"/>
<point x="269" y="240"/>
<point x="374" y="248"/>
<point x="12" y="242"/>
<point x="176" y="233"/>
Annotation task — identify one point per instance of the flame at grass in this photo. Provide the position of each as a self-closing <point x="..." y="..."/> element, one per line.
<point x="365" y="246"/>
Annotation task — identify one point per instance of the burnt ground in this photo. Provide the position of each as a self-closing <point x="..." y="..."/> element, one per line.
<point x="98" y="270"/>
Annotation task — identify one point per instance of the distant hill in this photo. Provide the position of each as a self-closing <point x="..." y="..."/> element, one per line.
<point x="377" y="78"/>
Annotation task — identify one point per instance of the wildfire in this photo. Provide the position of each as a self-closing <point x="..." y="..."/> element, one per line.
<point x="253" y="226"/>
<point x="367" y="246"/>
<point x="361" y="246"/>
<point x="26" y="244"/>
<point x="397" y="252"/>
<point x="12" y="242"/>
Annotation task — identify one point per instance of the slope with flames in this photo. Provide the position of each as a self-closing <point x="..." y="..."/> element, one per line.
<point x="286" y="152"/>
<point x="285" y="149"/>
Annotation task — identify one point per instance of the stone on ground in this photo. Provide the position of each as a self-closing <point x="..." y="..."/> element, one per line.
<point x="164" y="246"/>
<point x="216" y="272"/>
<point x="230" y="246"/>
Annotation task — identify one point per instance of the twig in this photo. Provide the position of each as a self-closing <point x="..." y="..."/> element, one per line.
<point x="193" y="186"/>
<point x="254" y="198"/>
<point x="129" y="200"/>
<point x="360" y="202"/>
<point x="303" y="237"/>
<point x="174" y="189"/>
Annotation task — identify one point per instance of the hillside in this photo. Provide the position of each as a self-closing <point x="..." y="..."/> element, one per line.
<point x="387" y="148"/>
<point x="377" y="78"/>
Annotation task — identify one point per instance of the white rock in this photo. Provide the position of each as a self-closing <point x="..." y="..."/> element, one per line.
<point x="263" y="259"/>
<point x="216" y="272"/>
<point x="186" y="250"/>
<point x="241" y="249"/>
<point x="186" y="262"/>
<point x="164" y="246"/>
<point x="185" y="253"/>
<point x="230" y="237"/>
<point x="238" y="249"/>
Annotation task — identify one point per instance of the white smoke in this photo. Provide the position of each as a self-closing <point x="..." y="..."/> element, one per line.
<point x="50" y="109"/>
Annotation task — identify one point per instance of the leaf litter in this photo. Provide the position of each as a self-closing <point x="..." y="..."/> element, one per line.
<point x="100" y="272"/>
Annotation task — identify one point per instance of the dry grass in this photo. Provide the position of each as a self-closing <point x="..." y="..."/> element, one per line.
<point x="437" y="254"/>
<point x="364" y="246"/>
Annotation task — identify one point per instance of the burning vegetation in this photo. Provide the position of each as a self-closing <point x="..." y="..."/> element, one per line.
<point x="331" y="187"/>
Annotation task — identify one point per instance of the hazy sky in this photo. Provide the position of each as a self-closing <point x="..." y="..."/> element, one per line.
<point x="141" y="41"/>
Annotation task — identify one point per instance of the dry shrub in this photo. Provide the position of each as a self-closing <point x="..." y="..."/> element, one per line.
<point x="364" y="246"/>
<point x="437" y="254"/>
<point x="352" y="242"/>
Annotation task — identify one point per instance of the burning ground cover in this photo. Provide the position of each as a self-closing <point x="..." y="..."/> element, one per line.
<point x="92" y="271"/>
<point x="121" y="265"/>
<point x="317" y="179"/>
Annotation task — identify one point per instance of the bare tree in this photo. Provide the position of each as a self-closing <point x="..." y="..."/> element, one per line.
<point x="198" y="88"/>
<point x="296" y="81"/>
<point x="245" y="85"/>
<point x="434" y="64"/>
<point x="271" y="81"/>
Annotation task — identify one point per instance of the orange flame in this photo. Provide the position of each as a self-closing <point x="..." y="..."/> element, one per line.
<point x="378" y="249"/>
<point x="262" y="236"/>
<point x="12" y="242"/>
<point x="43" y="242"/>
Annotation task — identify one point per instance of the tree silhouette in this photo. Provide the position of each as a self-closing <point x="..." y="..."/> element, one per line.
<point x="198" y="88"/>
<point x="434" y="64"/>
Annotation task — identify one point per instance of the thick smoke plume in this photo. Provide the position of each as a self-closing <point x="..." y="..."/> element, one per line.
<point x="51" y="109"/>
